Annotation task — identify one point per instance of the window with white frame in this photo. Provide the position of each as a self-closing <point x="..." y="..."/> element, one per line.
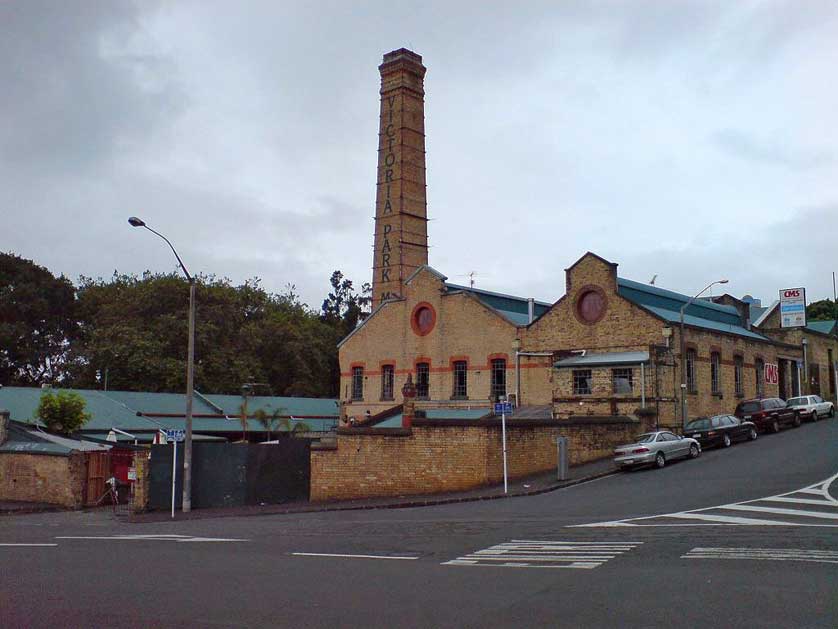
<point x="716" y="372"/>
<point x="498" y="378"/>
<point x="460" y="379"/>
<point x="423" y="380"/>
<point x="622" y="380"/>
<point x="387" y="381"/>
<point x="357" y="383"/>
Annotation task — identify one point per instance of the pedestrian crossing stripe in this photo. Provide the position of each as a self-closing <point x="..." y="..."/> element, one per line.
<point x="521" y="553"/>
<point x="810" y="506"/>
<point x="764" y="554"/>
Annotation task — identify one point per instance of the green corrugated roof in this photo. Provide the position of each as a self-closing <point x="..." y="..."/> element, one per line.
<point x="119" y="409"/>
<point x="106" y="413"/>
<point x="160" y="403"/>
<point x="516" y="309"/>
<point x="647" y="295"/>
<point x="22" y="440"/>
<point x="824" y="327"/>
<point x="700" y="313"/>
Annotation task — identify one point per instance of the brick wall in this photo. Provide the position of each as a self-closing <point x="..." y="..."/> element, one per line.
<point x="442" y="458"/>
<point x="42" y="478"/>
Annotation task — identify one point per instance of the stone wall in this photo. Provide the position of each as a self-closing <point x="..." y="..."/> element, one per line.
<point x="436" y="457"/>
<point x="56" y="480"/>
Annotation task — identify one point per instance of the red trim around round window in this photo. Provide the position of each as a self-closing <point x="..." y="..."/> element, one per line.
<point x="423" y="318"/>
<point x="590" y="305"/>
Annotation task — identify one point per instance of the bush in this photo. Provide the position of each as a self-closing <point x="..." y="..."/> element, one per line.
<point x="63" y="411"/>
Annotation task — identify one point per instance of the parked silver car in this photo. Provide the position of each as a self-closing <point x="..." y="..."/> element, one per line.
<point x="812" y="407"/>
<point x="655" y="448"/>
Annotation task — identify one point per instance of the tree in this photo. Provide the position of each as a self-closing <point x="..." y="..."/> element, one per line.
<point x="823" y="310"/>
<point x="344" y="308"/>
<point x="275" y="420"/>
<point x="63" y="411"/>
<point x="37" y="322"/>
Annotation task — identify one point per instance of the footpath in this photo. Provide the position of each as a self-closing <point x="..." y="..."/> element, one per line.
<point x="528" y="486"/>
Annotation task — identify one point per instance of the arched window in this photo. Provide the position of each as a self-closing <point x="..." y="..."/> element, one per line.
<point x="498" y="378"/>
<point x="423" y="380"/>
<point x="716" y="372"/>
<point x="692" y="383"/>
<point x="357" y="383"/>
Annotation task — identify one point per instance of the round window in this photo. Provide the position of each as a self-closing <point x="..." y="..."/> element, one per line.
<point x="590" y="306"/>
<point x="423" y="319"/>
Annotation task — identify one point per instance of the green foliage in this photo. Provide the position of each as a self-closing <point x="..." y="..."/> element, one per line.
<point x="823" y="310"/>
<point x="62" y="411"/>
<point x="133" y="331"/>
<point x="37" y="322"/>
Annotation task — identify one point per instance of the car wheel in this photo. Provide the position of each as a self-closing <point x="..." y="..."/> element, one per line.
<point x="775" y="427"/>
<point x="694" y="451"/>
<point x="796" y="421"/>
<point x="832" y="411"/>
<point x="815" y="415"/>
<point x="726" y="440"/>
<point x="752" y="434"/>
<point x="660" y="460"/>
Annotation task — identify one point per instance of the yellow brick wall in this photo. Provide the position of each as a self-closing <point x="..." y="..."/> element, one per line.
<point x="464" y="329"/>
<point x="40" y="478"/>
<point x="434" y="459"/>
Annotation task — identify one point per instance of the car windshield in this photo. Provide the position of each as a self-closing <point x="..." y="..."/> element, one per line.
<point x="797" y="401"/>
<point x="749" y="407"/>
<point x="699" y="424"/>
<point x="645" y="438"/>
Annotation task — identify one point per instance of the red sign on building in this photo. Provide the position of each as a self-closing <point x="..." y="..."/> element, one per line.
<point x="772" y="374"/>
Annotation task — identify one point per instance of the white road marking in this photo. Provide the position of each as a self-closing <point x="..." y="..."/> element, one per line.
<point x="151" y="538"/>
<point x="545" y="554"/>
<point x="766" y="554"/>
<point x="809" y="514"/>
<point x="789" y="513"/>
<point x="28" y="544"/>
<point x="802" y="501"/>
<point x="352" y="556"/>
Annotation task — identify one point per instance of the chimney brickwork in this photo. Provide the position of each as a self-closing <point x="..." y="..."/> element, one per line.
<point x="401" y="232"/>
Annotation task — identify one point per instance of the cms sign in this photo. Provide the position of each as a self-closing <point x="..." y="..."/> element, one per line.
<point x="772" y="374"/>
<point x="792" y="293"/>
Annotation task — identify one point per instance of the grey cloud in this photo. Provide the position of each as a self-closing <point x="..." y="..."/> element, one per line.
<point x="747" y="147"/>
<point x="68" y="102"/>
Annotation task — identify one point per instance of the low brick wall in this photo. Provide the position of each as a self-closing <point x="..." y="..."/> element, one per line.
<point x="437" y="456"/>
<point x="43" y="478"/>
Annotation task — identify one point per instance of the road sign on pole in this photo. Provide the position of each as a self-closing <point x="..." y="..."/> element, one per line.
<point x="503" y="408"/>
<point x="173" y="435"/>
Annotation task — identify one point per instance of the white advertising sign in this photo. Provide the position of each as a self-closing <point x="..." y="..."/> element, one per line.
<point x="793" y="308"/>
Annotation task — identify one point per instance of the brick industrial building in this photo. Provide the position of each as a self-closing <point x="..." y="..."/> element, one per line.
<point x="607" y="347"/>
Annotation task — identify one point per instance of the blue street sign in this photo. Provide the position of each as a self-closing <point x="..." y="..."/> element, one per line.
<point x="175" y="435"/>
<point x="503" y="407"/>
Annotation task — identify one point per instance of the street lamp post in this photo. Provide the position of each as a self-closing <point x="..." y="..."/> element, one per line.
<point x="684" y="351"/>
<point x="190" y="370"/>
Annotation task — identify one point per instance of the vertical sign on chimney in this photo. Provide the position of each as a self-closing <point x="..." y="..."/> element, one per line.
<point x="401" y="231"/>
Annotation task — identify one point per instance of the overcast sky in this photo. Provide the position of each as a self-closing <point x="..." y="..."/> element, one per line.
<point x="692" y="140"/>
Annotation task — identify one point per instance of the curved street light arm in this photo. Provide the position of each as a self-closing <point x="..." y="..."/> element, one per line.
<point x="174" y="251"/>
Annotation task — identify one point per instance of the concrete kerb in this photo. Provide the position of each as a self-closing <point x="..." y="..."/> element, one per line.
<point x="402" y="504"/>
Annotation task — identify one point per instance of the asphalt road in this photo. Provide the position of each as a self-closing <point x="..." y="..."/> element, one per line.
<point x="726" y="540"/>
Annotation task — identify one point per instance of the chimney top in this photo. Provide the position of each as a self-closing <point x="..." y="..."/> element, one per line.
<point x="402" y="53"/>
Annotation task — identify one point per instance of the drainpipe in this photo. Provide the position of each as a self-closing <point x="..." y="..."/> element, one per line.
<point x="518" y="355"/>
<point x="805" y="343"/>
<point x="642" y="385"/>
<point x="530" y="310"/>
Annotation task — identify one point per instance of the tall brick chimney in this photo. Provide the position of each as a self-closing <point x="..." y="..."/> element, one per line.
<point x="401" y="230"/>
